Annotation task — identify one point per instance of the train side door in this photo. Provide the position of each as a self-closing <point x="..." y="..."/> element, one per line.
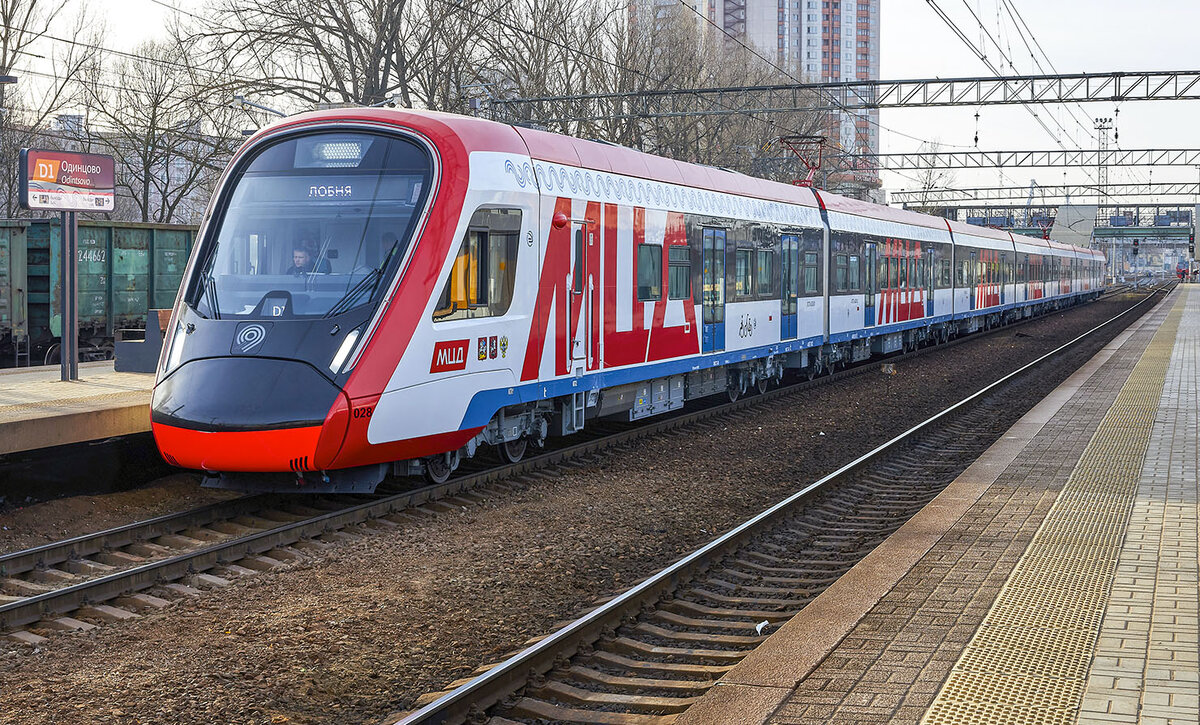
<point x="790" y="286"/>
<point x="929" y="287"/>
<point x="973" y="281"/>
<point x="580" y="334"/>
<point x="870" y="254"/>
<point x="712" y="291"/>
<point x="1024" y="277"/>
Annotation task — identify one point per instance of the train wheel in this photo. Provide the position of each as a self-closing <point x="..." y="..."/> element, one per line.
<point x="437" y="469"/>
<point x="739" y="383"/>
<point x="513" y="451"/>
<point x="762" y="384"/>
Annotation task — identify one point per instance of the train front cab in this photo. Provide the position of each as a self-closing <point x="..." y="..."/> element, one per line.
<point x="307" y="233"/>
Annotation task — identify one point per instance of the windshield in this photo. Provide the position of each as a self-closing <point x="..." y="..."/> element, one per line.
<point x="313" y="227"/>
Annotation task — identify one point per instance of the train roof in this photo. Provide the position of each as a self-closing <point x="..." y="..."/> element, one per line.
<point x="476" y="134"/>
<point x="1032" y="245"/>
<point x="467" y="134"/>
<point x="973" y="230"/>
<point x="858" y="207"/>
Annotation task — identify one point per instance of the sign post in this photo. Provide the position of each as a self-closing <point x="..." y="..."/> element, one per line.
<point x="67" y="183"/>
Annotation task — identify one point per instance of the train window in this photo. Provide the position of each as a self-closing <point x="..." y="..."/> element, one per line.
<point x="943" y="280"/>
<point x="649" y="272"/>
<point x="712" y="283"/>
<point x="323" y="219"/>
<point x="679" y="273"/>
<point x="854" y="273"/>
<point x="840" y="274"/>
<point x="812" y="283"/>
<point x="577" y="275"/>
<point x="482" y="276"/>
<point x="792" y="271"/>
<point x="742" y="273"/>
<point x="893" y="272"/>
<point x="764" y="274"/>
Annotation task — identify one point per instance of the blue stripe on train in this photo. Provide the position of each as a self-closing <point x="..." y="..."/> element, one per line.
<point x="485" y="403"/>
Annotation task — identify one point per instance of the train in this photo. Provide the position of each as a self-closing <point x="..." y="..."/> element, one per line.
<point x="391" y="291"/>
<point x="124" y="269"/>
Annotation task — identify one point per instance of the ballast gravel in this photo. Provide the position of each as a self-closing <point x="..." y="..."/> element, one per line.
<point x="366" y="627"/>
<point x="24" y="527"/>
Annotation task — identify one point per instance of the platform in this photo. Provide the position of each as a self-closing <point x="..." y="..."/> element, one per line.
<point x="37" y="409"/>
<point x="1055" y="581"/>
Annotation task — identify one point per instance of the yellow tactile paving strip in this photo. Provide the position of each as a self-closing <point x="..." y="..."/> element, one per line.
<point x="1146" y="666"/>
<point x="1029" y="660"/>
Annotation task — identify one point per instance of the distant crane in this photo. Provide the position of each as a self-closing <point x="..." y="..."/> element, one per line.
<point x="1029" y="201"/>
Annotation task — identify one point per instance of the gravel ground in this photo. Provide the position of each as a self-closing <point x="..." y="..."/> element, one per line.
<point x="378" y="621"/>
<point x="42" y="523"/>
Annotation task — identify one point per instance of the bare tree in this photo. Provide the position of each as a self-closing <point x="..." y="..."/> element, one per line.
<point x="654" y="48"/>
<point x="455" y="65"/>
<point x="312" y="52"/>
<point x="440" y="54"/>
<point x="167" y="124"/>
<point x="932" y="179"/>
<point x="26" y="109"/>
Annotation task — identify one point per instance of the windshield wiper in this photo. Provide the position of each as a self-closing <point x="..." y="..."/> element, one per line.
<point x="210" y="295"/>
<point x="368" y="282"/>
<point x="355" y="292"/>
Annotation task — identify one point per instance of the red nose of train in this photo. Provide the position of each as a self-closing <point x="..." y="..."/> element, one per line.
<point x="249" y="414"/>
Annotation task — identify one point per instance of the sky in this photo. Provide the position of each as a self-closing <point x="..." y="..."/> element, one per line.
<point x="1077" y="35"/>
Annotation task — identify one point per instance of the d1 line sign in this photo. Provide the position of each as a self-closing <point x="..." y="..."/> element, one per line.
<point x="64" y="181"/>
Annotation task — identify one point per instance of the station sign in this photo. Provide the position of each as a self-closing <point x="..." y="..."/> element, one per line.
<point x="65" y="181"/>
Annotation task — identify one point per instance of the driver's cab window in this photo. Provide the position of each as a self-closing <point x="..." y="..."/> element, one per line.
<point x="485" y="268"/>
<point x="315" y="226"/>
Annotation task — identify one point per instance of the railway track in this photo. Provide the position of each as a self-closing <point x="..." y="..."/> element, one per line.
<point x="646" y="655"/>
<point x="106" y="576"/>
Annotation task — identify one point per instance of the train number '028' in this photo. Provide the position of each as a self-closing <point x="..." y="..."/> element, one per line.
<point x="364" y="412"/>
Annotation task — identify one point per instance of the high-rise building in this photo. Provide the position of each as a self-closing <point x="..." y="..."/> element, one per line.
<point x="814" y="40"/>
<point x="818" y="40"/>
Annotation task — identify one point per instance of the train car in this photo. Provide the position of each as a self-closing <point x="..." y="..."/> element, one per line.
<point x="380" y="291"/>
<point x="124" y="269"/>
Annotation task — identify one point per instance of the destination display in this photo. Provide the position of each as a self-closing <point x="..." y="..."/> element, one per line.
<point x="64" y="181"/>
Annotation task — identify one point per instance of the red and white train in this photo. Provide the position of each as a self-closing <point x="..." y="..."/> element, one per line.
<point x="378" y="290"/>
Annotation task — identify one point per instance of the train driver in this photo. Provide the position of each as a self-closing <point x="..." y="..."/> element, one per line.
<point x="302" y="260"/>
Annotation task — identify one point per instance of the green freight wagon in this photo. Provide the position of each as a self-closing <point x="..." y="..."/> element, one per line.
<point x="124" y="269"/>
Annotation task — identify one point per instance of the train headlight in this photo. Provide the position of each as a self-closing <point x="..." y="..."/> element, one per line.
<point x="343" y="352"/>
<point x="176" y="351"/>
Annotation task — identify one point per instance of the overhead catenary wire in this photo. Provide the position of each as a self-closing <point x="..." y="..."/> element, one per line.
<point x="614" y="64"/>
<point x="981" y="54"/>
<point x="784" y="71"/>
<point x="797" y="80"/>
<point x="1084" y="123"/>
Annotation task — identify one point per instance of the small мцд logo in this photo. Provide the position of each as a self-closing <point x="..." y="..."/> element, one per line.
<point x="449" y="355"/>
